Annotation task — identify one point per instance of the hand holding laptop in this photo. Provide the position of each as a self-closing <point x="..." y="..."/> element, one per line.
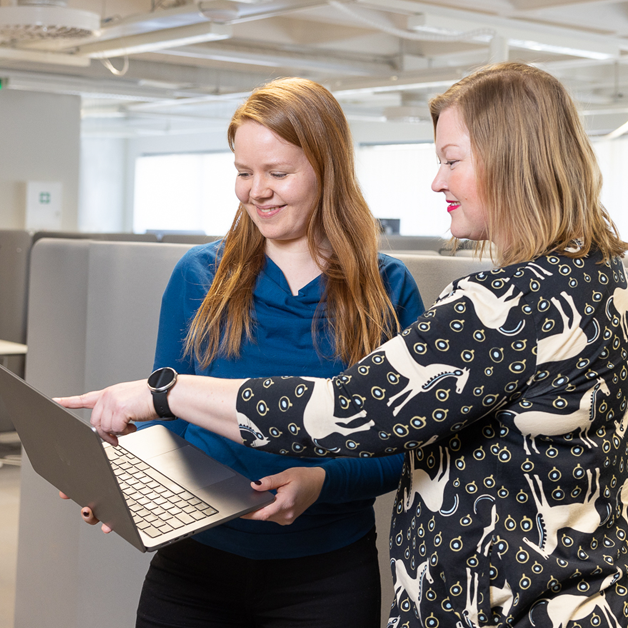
<point x="88" y="516"/>
<point x="296" y="489"/>
<point x="153" y="489"/>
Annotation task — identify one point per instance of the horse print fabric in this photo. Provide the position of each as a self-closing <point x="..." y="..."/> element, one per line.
<point x="509" y="398"/>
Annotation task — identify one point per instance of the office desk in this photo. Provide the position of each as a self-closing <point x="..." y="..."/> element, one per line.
<point x="8" y="348"/>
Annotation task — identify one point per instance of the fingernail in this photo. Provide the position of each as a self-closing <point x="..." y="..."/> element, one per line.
<point x="258" y="483"/>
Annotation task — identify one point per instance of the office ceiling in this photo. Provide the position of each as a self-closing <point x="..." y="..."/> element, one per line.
<point x="181" y="66"/>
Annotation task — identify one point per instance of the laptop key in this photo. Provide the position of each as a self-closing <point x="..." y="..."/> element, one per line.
<point x="112" y="452"/>
<point x="152" y="532"/>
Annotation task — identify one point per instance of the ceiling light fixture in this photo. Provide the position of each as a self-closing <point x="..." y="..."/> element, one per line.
<point x="381" y="89"/>
<point x="559" y="50"/>
<point x="46" y="19"/>
<point x="219" y="11"/>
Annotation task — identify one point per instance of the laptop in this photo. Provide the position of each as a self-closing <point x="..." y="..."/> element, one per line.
<point x="155" y="488"/>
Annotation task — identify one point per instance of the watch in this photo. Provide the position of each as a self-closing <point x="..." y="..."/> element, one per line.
<point x="159" y="383"/>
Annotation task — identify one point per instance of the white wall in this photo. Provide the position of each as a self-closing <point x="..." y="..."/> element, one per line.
<point x="391" y="132"/>
<point x="40" y="142"/>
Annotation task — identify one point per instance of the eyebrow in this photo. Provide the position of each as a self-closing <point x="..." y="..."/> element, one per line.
<point x="450" y="144"/>
<point x="271" y="164"/>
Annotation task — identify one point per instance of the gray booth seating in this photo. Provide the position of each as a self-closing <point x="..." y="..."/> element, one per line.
<point x="434" y="272"/>
<point x="108" y="237"/>
<point x="15" y="247"/>
<point x="92" y="322"/>
<point x="187" y="238"/>
<point x="388" y="243"/>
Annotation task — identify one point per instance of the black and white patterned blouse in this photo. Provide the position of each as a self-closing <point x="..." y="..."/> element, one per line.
<point x="509" y="398"/>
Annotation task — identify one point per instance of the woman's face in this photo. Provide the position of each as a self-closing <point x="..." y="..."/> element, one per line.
<point x="456" y="177"/>
<point x="275" y="183"/>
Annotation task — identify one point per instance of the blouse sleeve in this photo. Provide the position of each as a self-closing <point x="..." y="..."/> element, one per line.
<point x="471" y="353"/>
<point x="348" y="479"/>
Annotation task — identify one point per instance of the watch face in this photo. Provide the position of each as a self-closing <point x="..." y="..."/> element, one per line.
<point x="162" y="379"/>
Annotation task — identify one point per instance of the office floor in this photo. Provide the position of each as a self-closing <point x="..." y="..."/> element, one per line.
<point x="9" y="508"/>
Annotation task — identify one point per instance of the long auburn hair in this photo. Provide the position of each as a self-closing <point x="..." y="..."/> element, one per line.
<point x="359" y="312"/>
<point x="537" y="174"/>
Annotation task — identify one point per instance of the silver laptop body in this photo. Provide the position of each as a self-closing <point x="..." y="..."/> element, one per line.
<point x="185" y="486"/>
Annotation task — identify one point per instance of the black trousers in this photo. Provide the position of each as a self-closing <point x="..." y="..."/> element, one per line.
<point x="191" y="585"/>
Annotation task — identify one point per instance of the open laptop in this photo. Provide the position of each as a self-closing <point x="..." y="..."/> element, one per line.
<point x="153" y="489"/>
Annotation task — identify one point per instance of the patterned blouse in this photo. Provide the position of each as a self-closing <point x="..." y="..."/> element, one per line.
<point x="509" y="397"/>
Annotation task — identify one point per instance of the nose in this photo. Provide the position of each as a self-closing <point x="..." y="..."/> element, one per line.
<point x="260" y="188"/>
<point x="439" y="184"/>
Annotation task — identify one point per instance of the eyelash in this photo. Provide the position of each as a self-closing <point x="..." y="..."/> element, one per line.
<point x="276" y="175"/>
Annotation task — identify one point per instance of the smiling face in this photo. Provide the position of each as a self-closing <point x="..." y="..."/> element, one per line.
<point x="456" y="177"/>
<point x="275" y="183"/>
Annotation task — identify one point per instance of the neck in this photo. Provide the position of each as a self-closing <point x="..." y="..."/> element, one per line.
<point x="295" y="261"/>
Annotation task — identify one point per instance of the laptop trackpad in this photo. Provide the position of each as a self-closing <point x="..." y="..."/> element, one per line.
<point x="190" y="467"/>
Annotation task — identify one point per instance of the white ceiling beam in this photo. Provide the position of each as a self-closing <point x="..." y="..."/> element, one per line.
<point x="428" y="81"/>
<point x="114" y="89"/>
<point x="532" y="5"/>
<point x="520" y="33"/>
<point x="186" y="102"/>
<point x="156" y="40"/>
<point x="311" y="60"/>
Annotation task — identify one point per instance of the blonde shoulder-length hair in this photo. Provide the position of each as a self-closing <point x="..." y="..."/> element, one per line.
<point x="537" y="173"/>
<point x="359" y="312"/>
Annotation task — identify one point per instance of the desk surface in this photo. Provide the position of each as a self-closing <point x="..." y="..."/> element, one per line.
<point x="12" y="348"/>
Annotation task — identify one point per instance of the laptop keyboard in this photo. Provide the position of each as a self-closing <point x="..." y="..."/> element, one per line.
<point x="158" y="504"/>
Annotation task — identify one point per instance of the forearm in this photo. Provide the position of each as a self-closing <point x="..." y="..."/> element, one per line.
<point x="204" y="401"/>
<point x="208" y="402"/>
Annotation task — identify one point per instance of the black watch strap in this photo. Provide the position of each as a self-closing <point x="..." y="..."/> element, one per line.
<point x="160" y="382"/>
<point x="160" y="401"/>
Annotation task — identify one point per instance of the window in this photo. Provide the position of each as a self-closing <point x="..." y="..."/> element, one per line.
<point x="185" y="192"/>
<point x="612" y="156"/>
<point x="396" y="180"/>
<point x="195" y="191"/>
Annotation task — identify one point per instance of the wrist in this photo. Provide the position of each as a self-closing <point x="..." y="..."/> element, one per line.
<point x="160" y="382"/>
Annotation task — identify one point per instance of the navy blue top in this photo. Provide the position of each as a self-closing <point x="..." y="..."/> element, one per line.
<point x="282" y="345"/>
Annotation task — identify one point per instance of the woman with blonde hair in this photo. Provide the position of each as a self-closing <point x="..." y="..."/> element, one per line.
<point x="509" y="394"/>
<point x="296" y="286"/>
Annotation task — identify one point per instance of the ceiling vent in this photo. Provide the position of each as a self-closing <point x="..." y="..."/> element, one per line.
<point x="46" y="19"/>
